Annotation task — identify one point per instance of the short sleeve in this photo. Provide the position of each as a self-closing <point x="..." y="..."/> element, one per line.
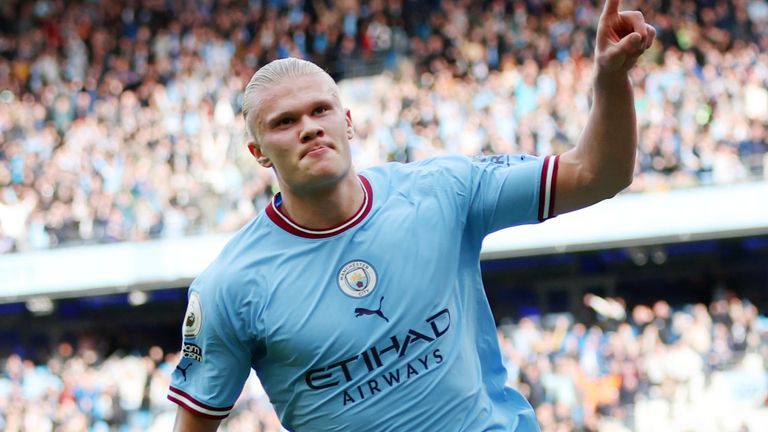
<point x="509" y="190"/>
<point x="214" y="362"/>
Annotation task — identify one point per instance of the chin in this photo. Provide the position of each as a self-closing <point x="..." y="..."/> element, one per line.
<point x="327" y="168"/>
<point x="325" y="178"/>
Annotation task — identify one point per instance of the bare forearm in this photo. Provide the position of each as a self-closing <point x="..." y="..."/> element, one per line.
<point x="608" y="144"/>
<point x="602" y="162"/>
<point x="188" y="422"/>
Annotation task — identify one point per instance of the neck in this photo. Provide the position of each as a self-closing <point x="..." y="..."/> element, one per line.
<point x="324" y="208"/>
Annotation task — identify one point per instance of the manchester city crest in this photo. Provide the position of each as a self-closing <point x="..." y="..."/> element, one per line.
<point x="357" y="278"/>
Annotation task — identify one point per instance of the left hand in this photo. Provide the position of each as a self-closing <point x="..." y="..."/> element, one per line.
<point x="622" y="37"/>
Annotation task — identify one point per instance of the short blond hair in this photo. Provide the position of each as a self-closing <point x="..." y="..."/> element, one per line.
<point x="272" y="73"/>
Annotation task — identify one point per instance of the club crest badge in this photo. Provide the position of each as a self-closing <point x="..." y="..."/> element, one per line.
<point x="357" y="279"/>
<point x="193" y="318"/>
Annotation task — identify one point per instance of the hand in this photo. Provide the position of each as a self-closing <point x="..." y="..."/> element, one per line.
<point x="622" y="37"/>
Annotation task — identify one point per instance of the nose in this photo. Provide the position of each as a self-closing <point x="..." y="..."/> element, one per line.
<point x="310" y="130"/>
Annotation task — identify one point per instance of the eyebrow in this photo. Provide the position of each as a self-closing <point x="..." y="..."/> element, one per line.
<point x="270" y="120"/>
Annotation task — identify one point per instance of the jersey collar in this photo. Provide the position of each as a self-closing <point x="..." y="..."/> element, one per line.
<point x="283" y="221"/>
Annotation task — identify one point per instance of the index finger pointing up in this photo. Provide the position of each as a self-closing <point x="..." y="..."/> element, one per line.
<point x="611" y="7"/>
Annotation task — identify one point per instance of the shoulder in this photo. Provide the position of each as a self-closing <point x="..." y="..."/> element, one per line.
<point x="422" y="170"/>
<point x="419" y="165"/>
<point x="461" y="166"/>
<point x="505" y="160"/>
<point x="237" y="265"/>
<point x="230" y="293"/>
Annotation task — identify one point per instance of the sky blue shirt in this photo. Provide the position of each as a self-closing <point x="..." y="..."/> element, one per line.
<point x="378" y="324"/>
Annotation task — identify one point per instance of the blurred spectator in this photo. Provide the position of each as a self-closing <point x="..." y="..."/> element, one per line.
<point x="577" y="377"/>
<point x="631" y="378"/>
<point x="119" y="122"/>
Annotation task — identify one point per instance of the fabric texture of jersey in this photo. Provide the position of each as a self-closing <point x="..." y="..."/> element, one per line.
<point x="378" y="324"/>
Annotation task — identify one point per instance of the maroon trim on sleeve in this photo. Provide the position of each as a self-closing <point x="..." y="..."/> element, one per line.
<point x="189" y="403"/>
<point x="543" y="188"/>
<point x="547" y="188"/>
<point x="552" y="189"/>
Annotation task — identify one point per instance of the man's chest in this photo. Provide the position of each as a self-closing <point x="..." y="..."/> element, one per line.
<point x="386" y="287"/>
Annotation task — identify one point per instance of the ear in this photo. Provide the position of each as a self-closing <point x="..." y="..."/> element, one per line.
<point x="350" y="126"/>
<point x="261" y="158"/>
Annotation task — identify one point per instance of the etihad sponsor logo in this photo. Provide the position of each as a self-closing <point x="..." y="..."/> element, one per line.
<point x="372" y="359"/>
<point x="391" y="378"/>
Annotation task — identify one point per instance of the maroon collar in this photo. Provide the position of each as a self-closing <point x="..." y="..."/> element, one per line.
<point x="283" y="221"/>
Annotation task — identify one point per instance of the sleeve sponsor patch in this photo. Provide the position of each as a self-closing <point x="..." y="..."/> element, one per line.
<point x="193" y="318"/>
<point x="192" y="351"/>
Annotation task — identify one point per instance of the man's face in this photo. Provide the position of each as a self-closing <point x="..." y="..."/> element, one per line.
<point x="303" y="132"/>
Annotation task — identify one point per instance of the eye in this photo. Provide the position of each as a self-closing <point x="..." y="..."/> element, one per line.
<point x="285" y="121"/>
<point x="320" y="110"/>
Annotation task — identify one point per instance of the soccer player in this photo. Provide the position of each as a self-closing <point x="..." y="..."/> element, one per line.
<point x="357" y="297"/>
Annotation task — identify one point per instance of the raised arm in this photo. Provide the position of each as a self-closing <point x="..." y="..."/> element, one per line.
<point x="602" y="162"/>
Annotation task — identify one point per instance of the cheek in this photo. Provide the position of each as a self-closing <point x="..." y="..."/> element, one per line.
<point x="278" y="142"/>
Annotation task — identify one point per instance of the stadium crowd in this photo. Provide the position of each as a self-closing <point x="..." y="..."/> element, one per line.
<point x="120" y="121"/>
<point x="648" y="368"/>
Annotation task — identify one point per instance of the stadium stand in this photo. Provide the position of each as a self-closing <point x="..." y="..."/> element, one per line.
<point x="119" y="122"/>
<point x="649" y="368"/>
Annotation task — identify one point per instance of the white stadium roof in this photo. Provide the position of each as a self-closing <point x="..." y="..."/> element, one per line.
<point x="627" y="220"/>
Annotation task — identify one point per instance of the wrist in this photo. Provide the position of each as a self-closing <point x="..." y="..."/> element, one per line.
<point x="608" y="80"/>
<point x="604" y="75"/>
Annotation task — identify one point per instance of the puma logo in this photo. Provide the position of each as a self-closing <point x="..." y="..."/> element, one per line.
<point x="363" y="311"/>
<point x="183" y="371"/>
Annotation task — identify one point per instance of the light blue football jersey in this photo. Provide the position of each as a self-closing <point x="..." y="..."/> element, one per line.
<point x="378" y="324"/>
